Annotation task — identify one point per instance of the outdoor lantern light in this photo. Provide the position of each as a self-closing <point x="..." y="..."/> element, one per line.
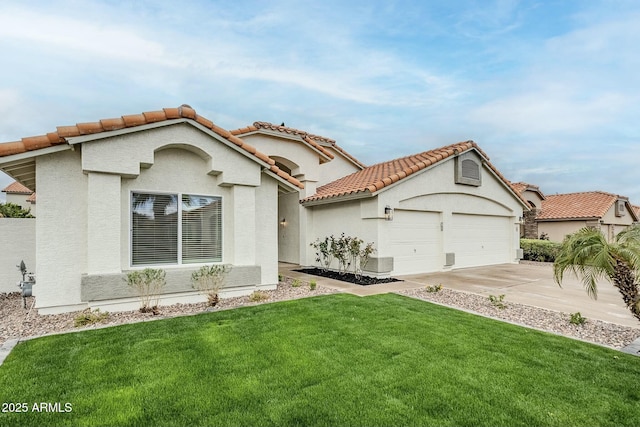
<point x="388" y="213"/>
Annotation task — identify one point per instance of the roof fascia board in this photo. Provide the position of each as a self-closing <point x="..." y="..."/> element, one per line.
<point x="295" y="138"/>
<point x="504" y="184"/>
<point x="125" y="131"/>
<point x="338" y="199"/>
<point x="280" y="180"/>
<point x="34" y="153"/>
<point x="587" y="218"/>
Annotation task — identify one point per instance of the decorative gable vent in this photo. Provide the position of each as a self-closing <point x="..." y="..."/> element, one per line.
<point x="620" y="208"/>
<point x="468" y="167"/>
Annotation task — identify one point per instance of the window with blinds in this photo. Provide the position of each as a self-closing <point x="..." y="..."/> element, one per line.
<point x="167" y="232"/>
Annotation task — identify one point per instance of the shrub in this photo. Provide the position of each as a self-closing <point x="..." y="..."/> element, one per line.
<point x="313" y="284"/>
<point x="539" y="250"/>
<point x="434" y="288"/>
<point x="347" y="250"/>
<point x="257" y="296"/>
<point x="148" y="283"/>
<point x="209" y="279"/>
<point x="88" y="317"/>
<point x="577" y="319"/>
<point x="497" y="301"/>
<point x="296" y="283"/>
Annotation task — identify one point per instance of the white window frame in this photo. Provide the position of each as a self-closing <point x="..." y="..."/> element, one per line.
<point x="179" y="233"/>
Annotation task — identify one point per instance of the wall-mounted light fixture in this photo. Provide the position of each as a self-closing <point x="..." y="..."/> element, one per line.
<point x="283" y="222"/>
<point x="388" y="213"/>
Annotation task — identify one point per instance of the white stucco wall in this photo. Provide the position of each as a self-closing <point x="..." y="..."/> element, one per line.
<point x="338" y="167"/>
<point x="61" y="231"/>
<point x="17" y="243"/>
<point x="84" y="232"/>
<point x="431" y="190"/>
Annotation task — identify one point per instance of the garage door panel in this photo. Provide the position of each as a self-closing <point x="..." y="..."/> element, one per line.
<point x="416" y="242"/>
<point x="480" y="240"/>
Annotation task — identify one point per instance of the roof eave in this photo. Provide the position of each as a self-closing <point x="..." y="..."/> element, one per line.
<point x="338" y="199"/>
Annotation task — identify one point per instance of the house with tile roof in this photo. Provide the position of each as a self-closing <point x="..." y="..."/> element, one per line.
<point x="20" y="195"/>
<point x="563" y="214"/>
<point x="170" y="189"/>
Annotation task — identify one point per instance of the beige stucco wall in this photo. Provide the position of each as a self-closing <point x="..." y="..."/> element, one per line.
<point x="17" y="243"/>
<point x="610" y="225"/>
<point x="84" y="233"/>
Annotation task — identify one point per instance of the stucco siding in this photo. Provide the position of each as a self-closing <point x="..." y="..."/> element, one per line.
<point x="266" y="220"/>
<point x="17" y="243"/>
<point x="61" y="231"/>
<point x="336" y="168"/>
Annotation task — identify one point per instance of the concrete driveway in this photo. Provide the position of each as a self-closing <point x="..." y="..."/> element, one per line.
<point x="533" y="285"/>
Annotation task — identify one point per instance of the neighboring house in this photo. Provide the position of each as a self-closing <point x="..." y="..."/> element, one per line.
<point x="563" y="214"/>
<point x="20" y="195"/>
<point x="170" y="189"/>
<point x="534" y="197"/>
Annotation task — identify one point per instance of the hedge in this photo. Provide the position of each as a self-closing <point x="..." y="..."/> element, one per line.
<point x="539" y="250"/>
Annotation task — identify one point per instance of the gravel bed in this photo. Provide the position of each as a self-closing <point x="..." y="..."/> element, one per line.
<point x="17" y="322"/>
<point x="595" y="331"/>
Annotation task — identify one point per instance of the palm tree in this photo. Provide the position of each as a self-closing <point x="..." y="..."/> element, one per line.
<point x="591" y="257"/>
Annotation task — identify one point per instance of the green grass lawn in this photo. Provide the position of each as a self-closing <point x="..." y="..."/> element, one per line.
<point x="333" y="360"/>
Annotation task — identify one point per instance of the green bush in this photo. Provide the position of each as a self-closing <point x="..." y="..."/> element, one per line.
<point x="539" y="250"/>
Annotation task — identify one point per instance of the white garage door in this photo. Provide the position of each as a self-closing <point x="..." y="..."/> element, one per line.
<point x="416" y="242"/>
<point x="481" y="240"/>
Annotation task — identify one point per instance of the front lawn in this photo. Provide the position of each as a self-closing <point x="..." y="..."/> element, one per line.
<point x="332" y="360"/>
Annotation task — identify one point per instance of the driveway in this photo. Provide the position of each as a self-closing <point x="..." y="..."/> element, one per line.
<point x="533" y="284"/>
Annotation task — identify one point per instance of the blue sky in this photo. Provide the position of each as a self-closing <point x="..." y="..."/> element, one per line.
<point x="550" y="90"/>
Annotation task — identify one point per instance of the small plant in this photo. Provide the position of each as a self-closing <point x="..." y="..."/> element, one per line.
<point x="258" y="296"/>
<point x="577" y="319"/>
<point x="498" y="301"/>
<point x="88" y="317"/>
<point x="280" y="277"/>
<point x="208" y="280"/>
<point x="434" y="288"/>
<point x="296" y="283"/>
<point x="313" y="284"/>
<point x="148" y="283"/>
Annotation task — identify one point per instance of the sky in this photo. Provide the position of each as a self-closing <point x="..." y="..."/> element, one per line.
<point x="549" y="90"/>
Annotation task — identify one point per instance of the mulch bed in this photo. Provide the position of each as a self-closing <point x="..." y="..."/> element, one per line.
<point x="348" y="277"/>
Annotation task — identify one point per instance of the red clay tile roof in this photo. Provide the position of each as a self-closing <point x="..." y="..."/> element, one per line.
<point x="59" y="137"/>
<point x="16" y="188"/>
<point x="314" y="141"/>
<point x="376" y="177"/>
<point x="591" y="204"/>
<point x="32" y="198"/>
<point x="521" y="187"/>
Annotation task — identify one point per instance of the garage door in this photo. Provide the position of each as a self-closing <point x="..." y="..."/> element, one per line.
<point x="416" y="242"/>
<point x="481" y="240"/>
